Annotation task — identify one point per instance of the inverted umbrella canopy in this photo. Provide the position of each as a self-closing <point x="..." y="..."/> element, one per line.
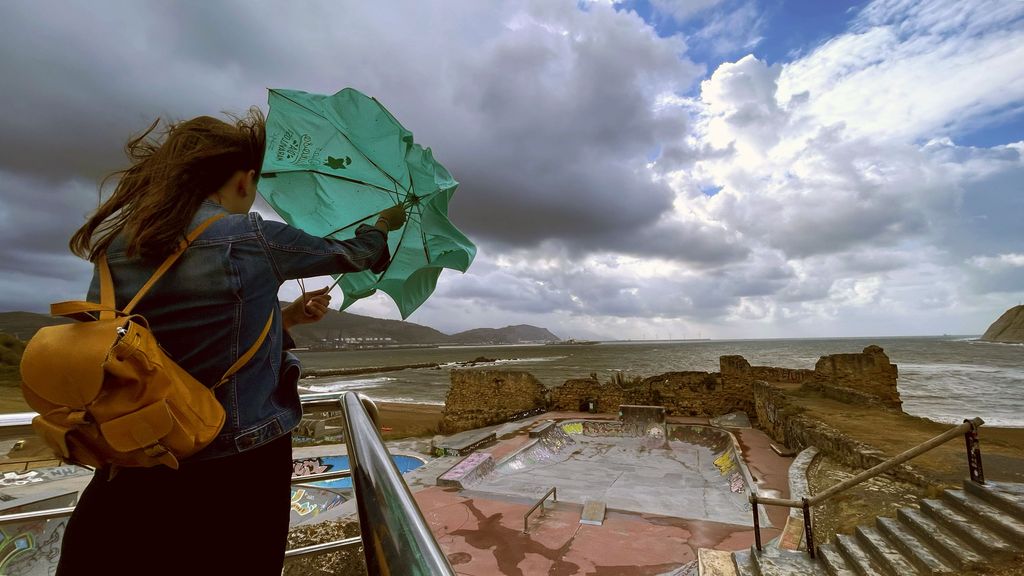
<point x="334" y="162"/>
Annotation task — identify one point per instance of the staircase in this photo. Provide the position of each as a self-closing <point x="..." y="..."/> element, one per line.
<point x="980" y="524"/>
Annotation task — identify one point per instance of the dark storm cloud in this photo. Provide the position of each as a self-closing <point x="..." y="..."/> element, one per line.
<point x="544" y="112"/>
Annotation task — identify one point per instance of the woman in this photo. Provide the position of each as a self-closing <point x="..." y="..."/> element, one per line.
<point x="226" y="509"/>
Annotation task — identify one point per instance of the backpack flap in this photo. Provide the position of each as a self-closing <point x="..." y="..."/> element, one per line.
<point x="142" y="430"/>
<point x="64" y="364"/>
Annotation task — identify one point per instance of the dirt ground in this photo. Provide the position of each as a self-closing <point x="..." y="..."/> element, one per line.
<point x="893" y="433"/>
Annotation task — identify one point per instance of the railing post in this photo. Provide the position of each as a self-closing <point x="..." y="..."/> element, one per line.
<point x="757" y="522"/>
<point x="974" y="453"/>
<point x="807" y="527"/>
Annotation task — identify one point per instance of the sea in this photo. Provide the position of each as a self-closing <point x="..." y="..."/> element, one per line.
<point x="943" y="378"/>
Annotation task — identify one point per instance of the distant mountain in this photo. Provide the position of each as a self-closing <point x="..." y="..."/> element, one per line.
<point x="506" y="335"/>
<point x="22" y="325"/>
<point x="336" y="325"/>
<point x="1008" y="328"/>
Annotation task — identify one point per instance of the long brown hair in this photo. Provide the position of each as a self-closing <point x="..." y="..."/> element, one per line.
<point x="172" y="171"/>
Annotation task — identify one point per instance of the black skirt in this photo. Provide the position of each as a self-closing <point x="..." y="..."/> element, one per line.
<point x="219" y="517"/>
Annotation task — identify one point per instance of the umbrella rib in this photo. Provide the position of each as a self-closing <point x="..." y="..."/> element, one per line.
<point x="328" y="120"/>
<point x="423" y="237"/>
<point x="397" y="198"/>
<point x="339" y="177"/>
<point x="398" y="247"/>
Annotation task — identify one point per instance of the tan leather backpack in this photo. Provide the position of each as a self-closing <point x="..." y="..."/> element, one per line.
<point x="107" y="394"/>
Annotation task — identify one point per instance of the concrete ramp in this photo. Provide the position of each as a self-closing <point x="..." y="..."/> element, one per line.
<point x="593" y="513"/>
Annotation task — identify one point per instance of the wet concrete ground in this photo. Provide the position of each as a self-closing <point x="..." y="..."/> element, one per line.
<point x="482" y="532"/>
<point x="480" y="529"/>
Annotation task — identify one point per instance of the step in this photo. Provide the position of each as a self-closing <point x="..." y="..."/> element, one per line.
<point x="593" y="512"/>
<point x="1000" y="495"/>
<point x="968" y="530"/>
<point x="885" y="553"/>
<point x="952" y="548"/>
<point x="833" y="562"/>
<point x="744" y="560"/>
<point x="993" y="518"/>
<point x="913" y="548"/>
<point x="772" y="561"/>
<point x="857" y="557"/>
<point x="711" y="563"/>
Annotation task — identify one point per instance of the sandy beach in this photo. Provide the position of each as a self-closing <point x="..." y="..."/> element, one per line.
<point x="408" y="420"/>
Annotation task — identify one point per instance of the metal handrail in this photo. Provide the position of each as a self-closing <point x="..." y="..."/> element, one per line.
<point x="554" y="496"/>
<point x="325" y="548"/>
<point x="396" y="538"/>
<point x="969" y="429"/>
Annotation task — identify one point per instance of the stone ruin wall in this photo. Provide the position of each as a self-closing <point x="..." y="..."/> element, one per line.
<point x="784" y="423"/>
<point x="868" y="372"/>
<point x="478" y="398"/>
<point x="681" y="393"/>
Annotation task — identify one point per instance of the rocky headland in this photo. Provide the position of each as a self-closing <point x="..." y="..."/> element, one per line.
<point x="1009" y="328"/>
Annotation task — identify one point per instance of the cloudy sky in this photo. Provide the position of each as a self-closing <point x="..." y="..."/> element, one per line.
<point x="638" y="169"/>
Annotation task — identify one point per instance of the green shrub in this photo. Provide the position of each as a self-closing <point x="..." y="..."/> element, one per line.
<point x="10" y="358"/>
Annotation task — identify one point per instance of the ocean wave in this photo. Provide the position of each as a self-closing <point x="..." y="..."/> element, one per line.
<point x="404" y="400"/>
<point x="502" y="361"/>
<point x="344" y="385"/>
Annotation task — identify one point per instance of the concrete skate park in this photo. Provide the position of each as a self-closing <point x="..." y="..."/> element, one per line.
<point x="636" y="494"/>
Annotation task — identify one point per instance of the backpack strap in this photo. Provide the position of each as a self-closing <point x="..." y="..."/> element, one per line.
<point x="244" y="358"/>
<point x="159" y="271"/>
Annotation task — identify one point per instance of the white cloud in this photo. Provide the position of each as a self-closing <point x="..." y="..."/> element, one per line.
<point x="823" y="196"/>
<point x="1000" y="262"/>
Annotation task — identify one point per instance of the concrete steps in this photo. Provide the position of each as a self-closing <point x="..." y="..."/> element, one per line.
<point x="960" y="530"/>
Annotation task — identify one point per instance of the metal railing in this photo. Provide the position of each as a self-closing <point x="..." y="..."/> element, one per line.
<point x="540" y="503"/>
<point x="394" y="534"/>
<point x="970" y="431"/>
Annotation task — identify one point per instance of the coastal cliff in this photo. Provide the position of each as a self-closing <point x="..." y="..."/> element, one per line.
<point x="1008" y="328"/>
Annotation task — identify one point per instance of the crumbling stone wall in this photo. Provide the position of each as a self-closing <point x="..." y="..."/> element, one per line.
<point x="869" y="372"/>
<point x="681" y="393"/>
<point x="787" y="424"/>
<point x="737" y="372"/>
<point x="478" y="398"/>
<point x="574" y="393"/>
<point x="694" y="394"/>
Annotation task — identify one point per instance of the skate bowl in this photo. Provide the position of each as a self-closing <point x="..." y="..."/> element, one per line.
<point x="681" y="470"/>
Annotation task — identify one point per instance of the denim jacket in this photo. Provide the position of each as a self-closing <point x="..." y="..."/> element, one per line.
<point x="211" y="306"/>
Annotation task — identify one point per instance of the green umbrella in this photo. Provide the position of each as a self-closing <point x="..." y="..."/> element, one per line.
<point x="334" y="162"/>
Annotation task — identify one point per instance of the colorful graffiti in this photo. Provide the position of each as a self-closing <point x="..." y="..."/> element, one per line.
<point x="42" y="475"/>
<point x="308" y="502"/>
<point x="736" y="482"/>
<point x="725" y="462"/>
<point x="307" y="466"/>
<point x="573" y="428"/>
<point x="32" y="548"/>
<point x="467" y="466"/>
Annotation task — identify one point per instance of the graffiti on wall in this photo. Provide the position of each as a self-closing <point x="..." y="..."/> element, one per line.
<point x="32" y="547"/>
<point x="39" y="475"/>
<point x="307" y="502"/>
<point x="573" y="428"/>
<point x="307" y="466"/>
<point x="725" y="463"/>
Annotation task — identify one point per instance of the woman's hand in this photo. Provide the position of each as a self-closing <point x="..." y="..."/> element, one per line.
<point x="308" y="308"/>
<point x="391" y="219"/>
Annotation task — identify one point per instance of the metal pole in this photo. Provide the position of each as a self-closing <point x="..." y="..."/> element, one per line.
<point x="757" y="522"/>
<point x="807" y="527"/>
<point x="396" y="538"/>
<point x="974" y="453"/>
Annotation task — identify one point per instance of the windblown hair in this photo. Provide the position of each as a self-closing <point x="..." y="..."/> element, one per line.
<point x="172" y="171"/>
